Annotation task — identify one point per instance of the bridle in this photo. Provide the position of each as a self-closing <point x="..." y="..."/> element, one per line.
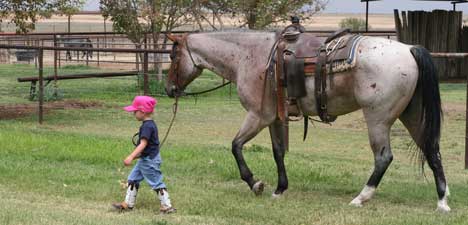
<point x="175" y="58"/>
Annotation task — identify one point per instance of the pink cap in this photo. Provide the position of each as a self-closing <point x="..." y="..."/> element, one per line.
<point x="142" y="103"/>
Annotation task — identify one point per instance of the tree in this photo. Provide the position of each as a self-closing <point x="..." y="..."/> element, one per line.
<point x="259" y="14"/>
<point x="255" y="14"/>
<point x="201" y="9"/>
<point x="25" y="13"/>
<point x="136" y="18"/>
<point x="71" y="9"/>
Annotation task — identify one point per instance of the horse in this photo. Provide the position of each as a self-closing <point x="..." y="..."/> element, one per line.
<point x="78" y="43"/>
<point x="390" y="81"/>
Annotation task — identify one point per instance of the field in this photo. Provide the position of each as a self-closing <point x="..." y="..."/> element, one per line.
<point x="68" y="170"/>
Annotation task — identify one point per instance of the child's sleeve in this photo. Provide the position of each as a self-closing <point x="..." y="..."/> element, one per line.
<point x="145" y="132"/>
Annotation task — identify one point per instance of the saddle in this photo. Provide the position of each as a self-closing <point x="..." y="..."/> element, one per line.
<point x="301" y="54"/>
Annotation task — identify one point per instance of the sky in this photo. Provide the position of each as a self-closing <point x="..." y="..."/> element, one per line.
<point x="356" y="6"/>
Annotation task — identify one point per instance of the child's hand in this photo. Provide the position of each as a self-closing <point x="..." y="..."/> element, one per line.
<point x="128" y="161"/>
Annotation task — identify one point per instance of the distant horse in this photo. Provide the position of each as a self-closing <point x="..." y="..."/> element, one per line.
<point x="390" y="81"/>
<point x="78" y="43"/>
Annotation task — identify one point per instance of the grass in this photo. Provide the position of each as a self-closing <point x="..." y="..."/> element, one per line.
<point x="68" y="170"/>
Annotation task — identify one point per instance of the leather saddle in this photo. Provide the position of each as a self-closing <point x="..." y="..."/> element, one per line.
<point x="303" y="54"/>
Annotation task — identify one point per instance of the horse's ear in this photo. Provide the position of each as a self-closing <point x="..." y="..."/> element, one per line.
<point x="171" y="37"/>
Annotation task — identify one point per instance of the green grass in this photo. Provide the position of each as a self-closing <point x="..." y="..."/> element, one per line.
<point x="67" y="171"/>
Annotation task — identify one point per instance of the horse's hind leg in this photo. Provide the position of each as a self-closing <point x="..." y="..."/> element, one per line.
<point x="250" y="128"/>
<point x="380" y="143"/>
<point x="277" y="133"/>
<point x="410" y="118"/>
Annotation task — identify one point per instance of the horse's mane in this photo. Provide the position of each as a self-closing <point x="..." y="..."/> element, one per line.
<point x="233" y="34"/>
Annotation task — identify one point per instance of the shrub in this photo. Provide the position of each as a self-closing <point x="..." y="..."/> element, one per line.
<point x="354" y="24"/>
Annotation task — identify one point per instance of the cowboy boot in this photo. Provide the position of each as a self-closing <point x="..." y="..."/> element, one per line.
<point x="130" y="198"/>
<point x="166" y="206"/>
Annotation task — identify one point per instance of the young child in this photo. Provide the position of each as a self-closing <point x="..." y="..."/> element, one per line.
<point x="147" y="149"/>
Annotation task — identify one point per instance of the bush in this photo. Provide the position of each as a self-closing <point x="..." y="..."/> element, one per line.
<point x="354" y="24"/>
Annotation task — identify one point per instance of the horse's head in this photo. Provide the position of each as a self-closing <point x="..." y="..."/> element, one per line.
<point x="183" y="68"/>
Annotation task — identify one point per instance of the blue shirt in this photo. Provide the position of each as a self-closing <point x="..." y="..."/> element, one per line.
<point x="149" y="131"/>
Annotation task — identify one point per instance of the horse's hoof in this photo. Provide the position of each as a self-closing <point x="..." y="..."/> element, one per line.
<point x="443" y="209"/>
<point x="276" y="196"/>
<point x="356" y="203"/>
<point x="258" y="188"/>
<point x="442" y="206"/>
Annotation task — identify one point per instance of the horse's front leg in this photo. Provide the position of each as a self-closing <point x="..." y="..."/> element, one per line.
<point x="277" y="134"/>
<point x="251" y="126"/>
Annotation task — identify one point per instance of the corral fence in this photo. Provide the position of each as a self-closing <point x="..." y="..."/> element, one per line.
<point x="438" y="31"/>
<point x="39" y="51"/>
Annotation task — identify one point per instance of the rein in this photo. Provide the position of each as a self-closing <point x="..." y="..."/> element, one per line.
<point x="206" y="91"/>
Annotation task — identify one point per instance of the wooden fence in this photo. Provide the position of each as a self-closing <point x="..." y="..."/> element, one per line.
<point x="438" y="31"/>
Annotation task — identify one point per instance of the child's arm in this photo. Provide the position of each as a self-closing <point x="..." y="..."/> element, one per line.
<point x="136" y="152"/>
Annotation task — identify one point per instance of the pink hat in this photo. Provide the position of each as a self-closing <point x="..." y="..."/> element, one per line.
<point x="142" y="103"/>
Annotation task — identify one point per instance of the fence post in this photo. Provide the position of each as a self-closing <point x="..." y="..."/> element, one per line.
<point x="55" y="66"/>
<point x="145" y="73"/>
<point x="35" y="57"/>
<point x="41" y="85"/>
<point x="466" y="130"/>
<point x="87" y="58"/>
<point x="59" y="56"/>
<point x="97" y="41"/>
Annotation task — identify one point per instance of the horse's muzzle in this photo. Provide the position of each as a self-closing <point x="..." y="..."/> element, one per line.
<point x="174" y="92"/>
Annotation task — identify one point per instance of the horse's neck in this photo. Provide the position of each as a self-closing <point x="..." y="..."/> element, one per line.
<point x="230" y="54"/>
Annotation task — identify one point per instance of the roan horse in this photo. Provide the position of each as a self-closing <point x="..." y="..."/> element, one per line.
<point x="390" y="81"/>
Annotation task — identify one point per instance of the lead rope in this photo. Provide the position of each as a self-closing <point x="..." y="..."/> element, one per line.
<point x="174" y="113"/>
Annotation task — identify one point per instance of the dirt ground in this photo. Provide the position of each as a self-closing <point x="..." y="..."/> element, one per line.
<point x="14" y="111"/>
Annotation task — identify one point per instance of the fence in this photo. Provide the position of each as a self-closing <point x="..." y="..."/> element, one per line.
<point x="438" y="31"/>
<point x="40" y="61"/>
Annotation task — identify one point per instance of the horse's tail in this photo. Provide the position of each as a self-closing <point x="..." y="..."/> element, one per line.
<point x="428" y="88"/>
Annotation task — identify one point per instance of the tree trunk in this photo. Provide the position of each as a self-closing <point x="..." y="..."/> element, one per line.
<point x="157" y="65"/>
<point x="252" y="14"/>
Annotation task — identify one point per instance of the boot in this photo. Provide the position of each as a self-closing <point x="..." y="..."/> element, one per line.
<point x="130" y="198"/>
<point x="166" y="206"/>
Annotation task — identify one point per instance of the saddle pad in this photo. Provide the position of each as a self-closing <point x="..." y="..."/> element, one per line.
<point x="341" y="56"/>
<point x="347" y="63"/>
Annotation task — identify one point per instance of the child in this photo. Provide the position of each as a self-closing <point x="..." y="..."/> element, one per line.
<point x="147" y="149"/>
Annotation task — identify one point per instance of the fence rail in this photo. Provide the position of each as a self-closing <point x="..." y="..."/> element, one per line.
<point x="40" y="58"/>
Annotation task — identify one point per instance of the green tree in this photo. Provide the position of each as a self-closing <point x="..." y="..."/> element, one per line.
<point x="136" y="18"/>
<point x="259" y="14"/>
<point x="254" y="14"/>
<point x="25" y="13"/>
